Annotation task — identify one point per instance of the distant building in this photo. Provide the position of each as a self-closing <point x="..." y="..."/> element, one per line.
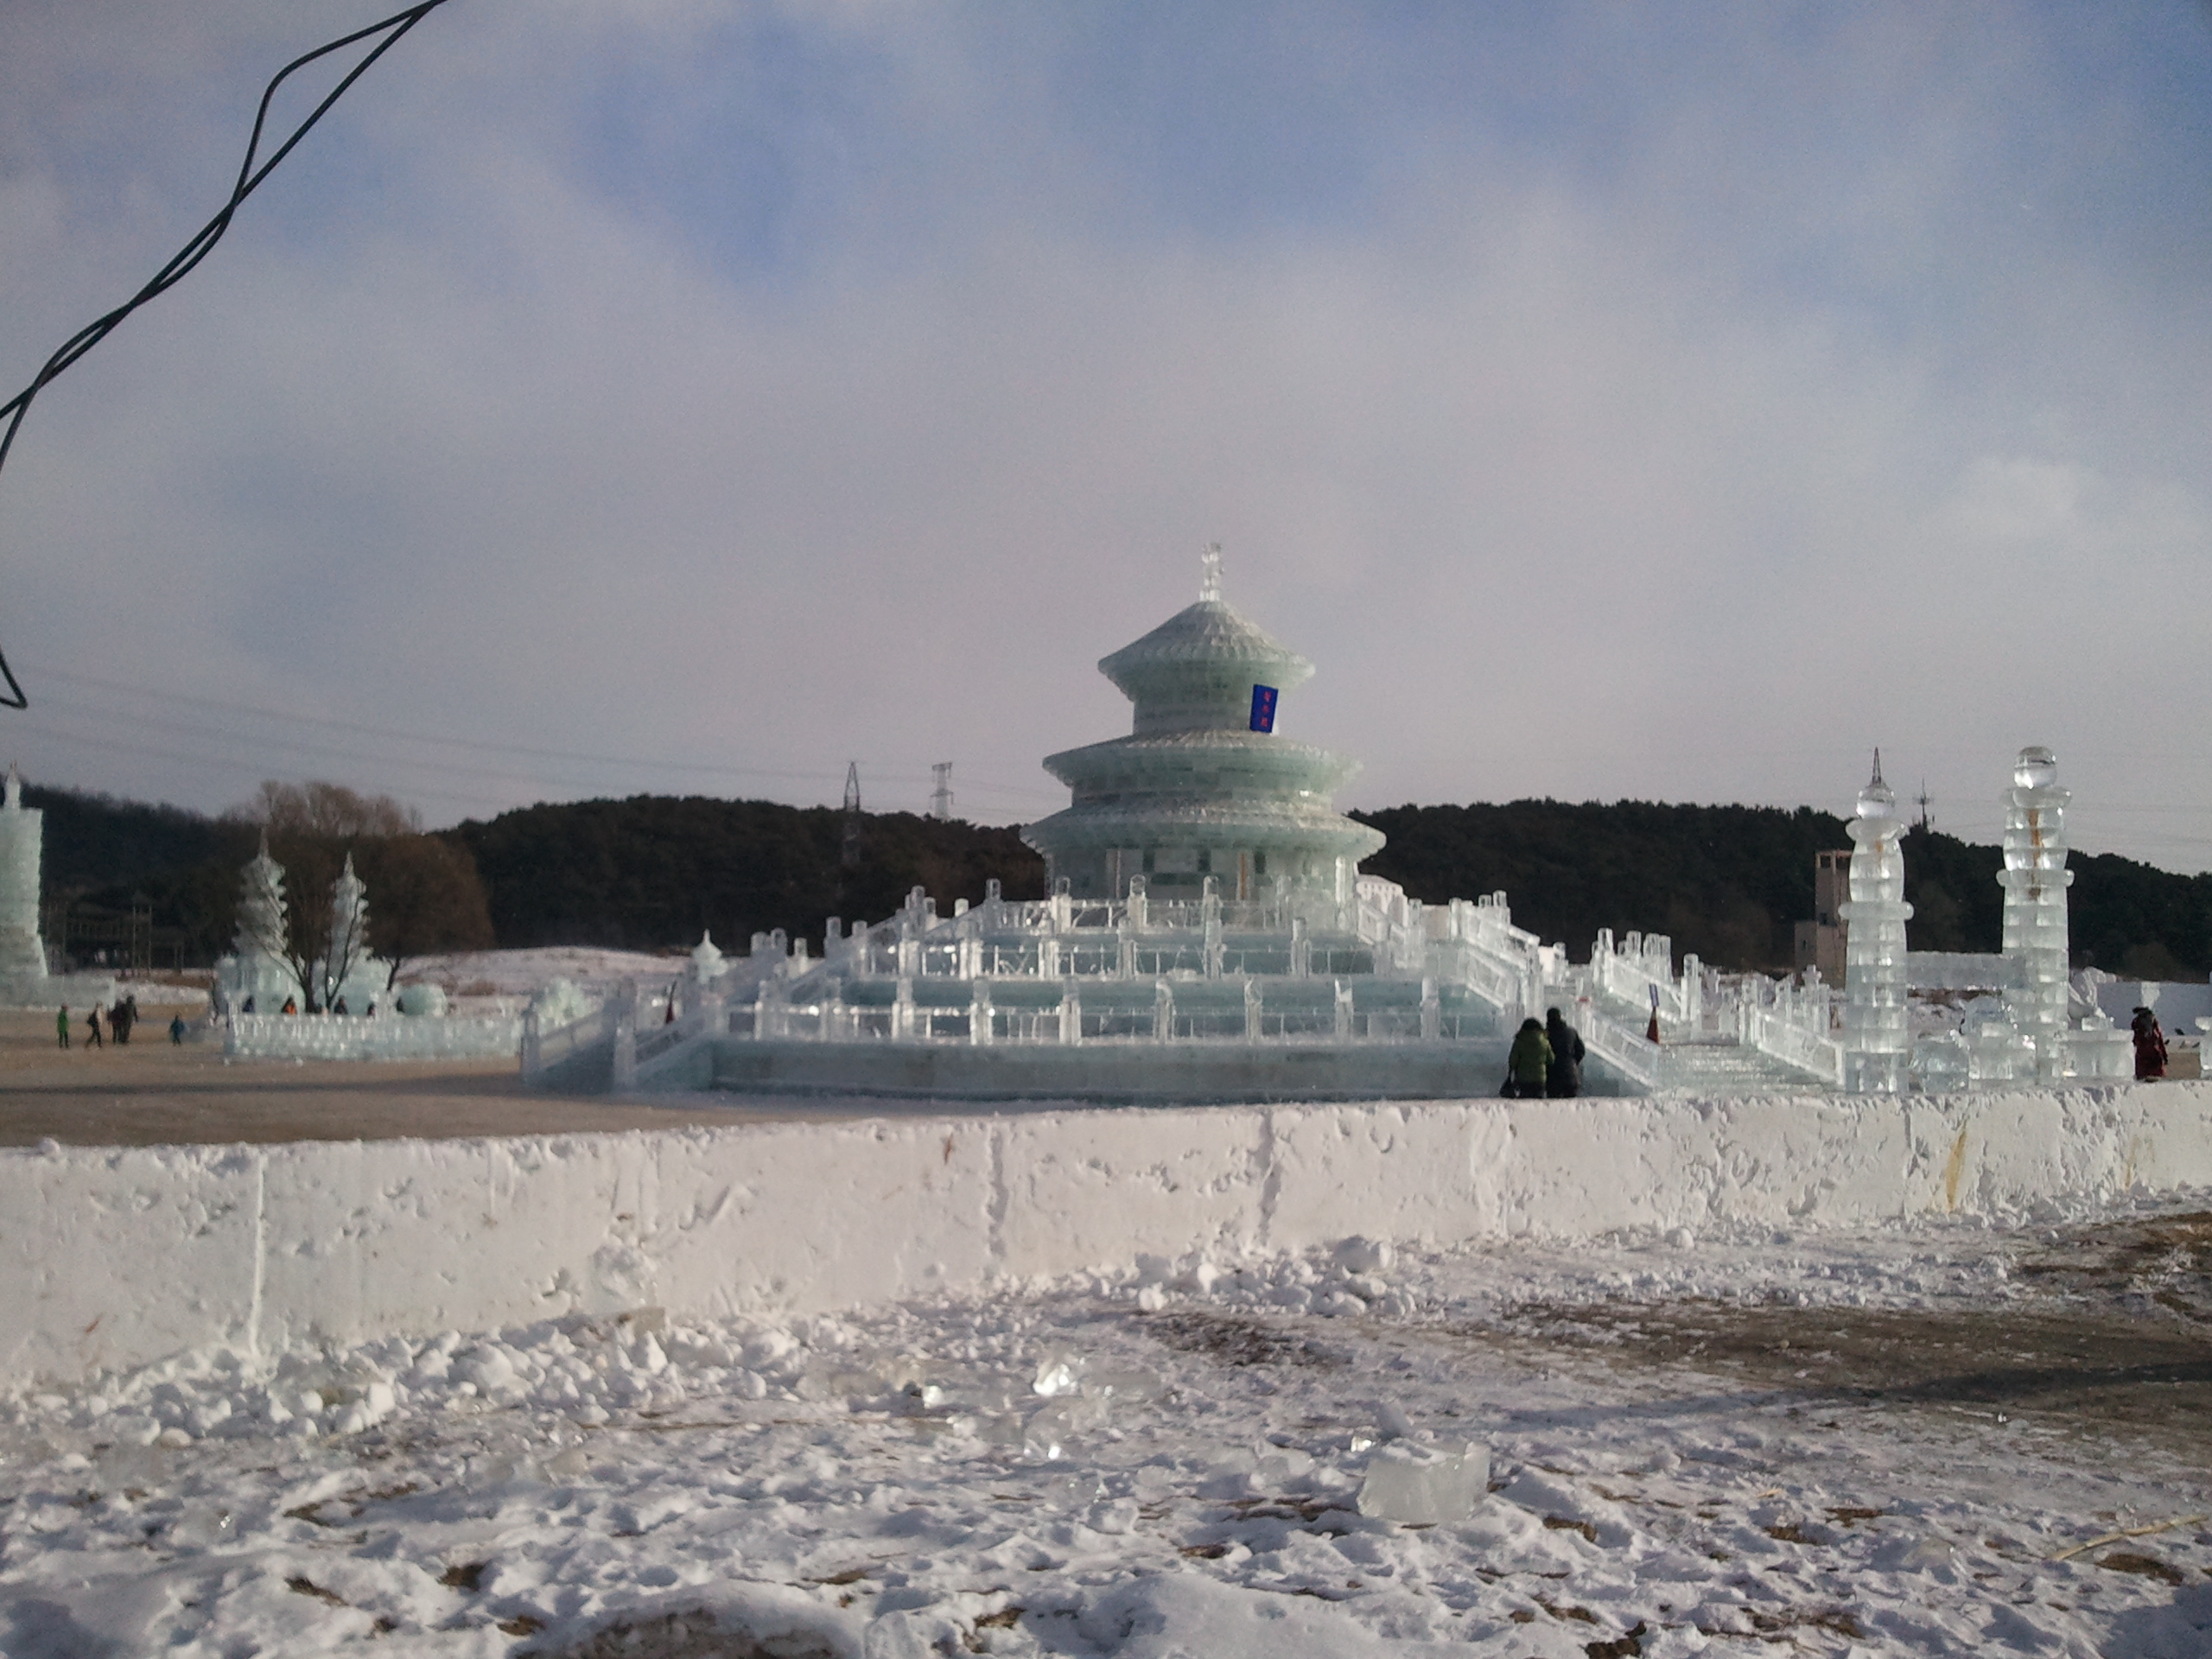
<point x="1819" y="942"/>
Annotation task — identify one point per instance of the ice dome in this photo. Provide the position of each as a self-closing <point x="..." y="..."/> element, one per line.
<point x="1878" y="799"/>
<point x="2037" y="768"/>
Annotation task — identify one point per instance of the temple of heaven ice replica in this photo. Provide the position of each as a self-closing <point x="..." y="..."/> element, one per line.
<point x="1209" y="937"/>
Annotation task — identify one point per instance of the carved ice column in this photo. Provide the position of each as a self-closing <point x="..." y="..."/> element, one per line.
<point x="1876" y="1039"/>
<point x="349" y="935"/>
<point x="709" y="1009"/>
<point x="23" y="954"/>
<point x="256" y="966"/>
<point x="2035" y="881"/>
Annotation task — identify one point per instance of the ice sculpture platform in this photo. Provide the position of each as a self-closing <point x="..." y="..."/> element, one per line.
<point x="1099" y="1074"/>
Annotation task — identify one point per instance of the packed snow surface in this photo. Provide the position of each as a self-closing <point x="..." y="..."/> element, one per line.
<point x="1349" y="1449"/>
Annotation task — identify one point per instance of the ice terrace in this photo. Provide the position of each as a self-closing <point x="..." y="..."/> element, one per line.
<point x="1382" y="996"/>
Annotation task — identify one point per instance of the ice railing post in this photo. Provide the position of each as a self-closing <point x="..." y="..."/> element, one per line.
<point x="625" y="1004"/>
<point x="1209" y="919"/>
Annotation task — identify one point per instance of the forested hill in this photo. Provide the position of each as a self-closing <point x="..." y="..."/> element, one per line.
<point x="654" y="871"/>
<point x="95" y="842"/>
<point x="1731" y="882"/>
<point x="1727" y="882"/>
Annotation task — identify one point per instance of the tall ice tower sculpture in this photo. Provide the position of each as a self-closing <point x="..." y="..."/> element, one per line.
<point x="1877" y="1037"/>
<point x="22" y="955"/>
<point x="2035" y="881"/>
<point x="1202" y="787"/>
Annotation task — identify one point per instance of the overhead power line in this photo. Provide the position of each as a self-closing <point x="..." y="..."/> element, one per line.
<point x="249" y="177"/>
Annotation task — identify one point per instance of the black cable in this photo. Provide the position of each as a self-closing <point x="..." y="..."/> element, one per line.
<point x="193" y="251"/>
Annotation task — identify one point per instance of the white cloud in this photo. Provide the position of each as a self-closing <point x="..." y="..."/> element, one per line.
<point x="1564" y="493"/>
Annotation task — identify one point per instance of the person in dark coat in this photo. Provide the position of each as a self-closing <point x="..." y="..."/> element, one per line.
<point x="120" y="1019"/>
<point x="1564" y="1079"/>
<point x="2149" y="1046"/>
<point x="92" y="1038"/>
<point x="1528" y="1063"/>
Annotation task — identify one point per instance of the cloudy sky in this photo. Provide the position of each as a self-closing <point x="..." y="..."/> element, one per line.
<point x="1662" y="401"/>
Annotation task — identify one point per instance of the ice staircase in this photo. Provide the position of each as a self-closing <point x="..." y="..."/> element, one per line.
<point x="1521" y="976"/>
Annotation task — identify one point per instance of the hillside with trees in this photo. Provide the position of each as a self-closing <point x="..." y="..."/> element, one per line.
<point x="653" y="871"/>
<point x="1731" y="882"/>
<point x="656" y="871"/>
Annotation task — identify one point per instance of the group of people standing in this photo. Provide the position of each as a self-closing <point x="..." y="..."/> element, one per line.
<point x="1545" y="1061"/>
<point x="120" y="1019"/>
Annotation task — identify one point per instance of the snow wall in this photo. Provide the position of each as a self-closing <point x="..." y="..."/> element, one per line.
<point x="112" y="1257"/>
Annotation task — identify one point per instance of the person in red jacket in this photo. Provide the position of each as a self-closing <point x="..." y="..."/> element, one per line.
<point x="2149" y="1046"/>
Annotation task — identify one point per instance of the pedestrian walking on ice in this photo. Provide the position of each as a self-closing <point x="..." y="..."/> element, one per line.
<point x="61" y="1026"/>
<point x="2150" y="1046"/>
<point x="1564" y="1080"/>
<point x="92" y="1038"/>
<point x="1528" y="1063"/>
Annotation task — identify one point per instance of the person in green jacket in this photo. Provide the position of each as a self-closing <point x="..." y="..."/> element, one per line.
<point x="1531" y="1058"/>
<point x="61" y="1025"/>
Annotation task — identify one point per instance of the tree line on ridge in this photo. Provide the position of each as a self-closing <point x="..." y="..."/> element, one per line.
<point x="653" y="871"/>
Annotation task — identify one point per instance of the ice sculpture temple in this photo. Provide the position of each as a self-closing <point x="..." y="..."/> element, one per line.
<point x="1209" y="937"/>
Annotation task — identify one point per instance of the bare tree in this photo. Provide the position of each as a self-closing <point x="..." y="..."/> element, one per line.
<point x="427" y="898"/>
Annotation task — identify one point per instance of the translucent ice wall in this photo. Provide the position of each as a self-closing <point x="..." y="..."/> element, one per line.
<point x="2035" y="881"/>
<point x="1877" y="1037"/>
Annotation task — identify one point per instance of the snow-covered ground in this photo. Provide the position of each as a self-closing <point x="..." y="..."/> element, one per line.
<point x="1867" y="1442"/>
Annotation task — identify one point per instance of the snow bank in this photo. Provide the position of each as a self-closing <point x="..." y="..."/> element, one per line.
<point x="116" y="1257"/>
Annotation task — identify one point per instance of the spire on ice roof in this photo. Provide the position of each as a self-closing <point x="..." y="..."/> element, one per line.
<point x="1210" y="575"/>
<point x="1878" y="799"/>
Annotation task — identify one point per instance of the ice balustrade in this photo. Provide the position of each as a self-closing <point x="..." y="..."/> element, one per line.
<point x="1640" y="971"/>
<point x="366" y="1036"/>
<point x="1789" y="1022"/>
<point x="543" y="1048"/>
<point x="1156" y="1010"/>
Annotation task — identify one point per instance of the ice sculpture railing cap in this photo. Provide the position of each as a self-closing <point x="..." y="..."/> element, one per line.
<point x="2037" y="768"/>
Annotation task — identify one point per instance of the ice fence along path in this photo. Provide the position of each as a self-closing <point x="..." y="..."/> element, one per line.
<point x="117" y="1257"/>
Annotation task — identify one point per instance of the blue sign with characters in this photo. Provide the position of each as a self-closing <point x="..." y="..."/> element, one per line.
<point x="1263" y="708"/>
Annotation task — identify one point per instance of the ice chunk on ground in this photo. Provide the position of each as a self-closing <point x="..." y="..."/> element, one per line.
<point x="1421" y="1488"/>
<point x="1357" y="1255"/>
<point x="1057" y="1373"/>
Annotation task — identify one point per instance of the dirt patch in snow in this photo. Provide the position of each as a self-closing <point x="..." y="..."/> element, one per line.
<point x="2107" y="1336"/>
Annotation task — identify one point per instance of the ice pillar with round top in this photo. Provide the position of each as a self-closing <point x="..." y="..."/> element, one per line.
<point x="1877" y="1037"/>
<point x="2035" y="879"/>
<point x="23" y="830"/>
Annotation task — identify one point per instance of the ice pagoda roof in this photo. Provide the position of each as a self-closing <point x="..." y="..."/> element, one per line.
<point x="1207" y="635"/>
<point x="1188" y="761"/>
